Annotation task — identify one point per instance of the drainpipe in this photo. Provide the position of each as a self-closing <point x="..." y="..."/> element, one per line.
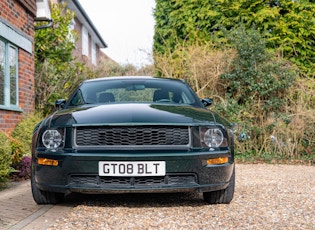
<point x="49" y="21"/>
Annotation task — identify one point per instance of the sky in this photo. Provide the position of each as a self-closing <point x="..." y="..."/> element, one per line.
<point x="126" y="26"/>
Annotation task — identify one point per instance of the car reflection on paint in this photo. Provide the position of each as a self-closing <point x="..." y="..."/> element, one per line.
<point x="133" y="135"/>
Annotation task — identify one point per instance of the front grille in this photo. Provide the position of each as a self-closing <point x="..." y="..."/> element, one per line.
<point x="132" y="136"/>
<point x="135" y="182"/>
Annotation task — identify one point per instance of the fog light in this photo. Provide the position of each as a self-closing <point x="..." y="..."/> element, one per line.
<point x="217" y="161"/>
<point x="45" y="161"/>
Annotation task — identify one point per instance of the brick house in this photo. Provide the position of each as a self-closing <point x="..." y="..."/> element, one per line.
<point x="17" y="66"/>
<point x="16" y="61"/>
<point x="90" y="42"/>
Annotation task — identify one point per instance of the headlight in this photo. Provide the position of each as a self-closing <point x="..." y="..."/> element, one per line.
<point x="52" y="139"/>
<point x="213" y="137"/>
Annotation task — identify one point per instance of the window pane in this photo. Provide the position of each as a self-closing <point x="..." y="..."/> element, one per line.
<point x="71" y="30"/>
<point x="2" y="58"/>
<point x="93" y="53"/>
<point x="85" y="41"/>
<point x="13" y="75"/>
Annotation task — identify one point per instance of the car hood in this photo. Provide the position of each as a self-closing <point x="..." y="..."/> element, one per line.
<point x="132" y="113"/>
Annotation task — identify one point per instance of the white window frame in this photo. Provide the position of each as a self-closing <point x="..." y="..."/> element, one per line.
<point x="93" y="55"/>
<point x="85" y="41"/>
<point x="7" y="90"/>
<point x="71" y="29"/>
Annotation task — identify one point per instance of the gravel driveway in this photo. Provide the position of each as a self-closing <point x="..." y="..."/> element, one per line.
<point x="266" y="197"/>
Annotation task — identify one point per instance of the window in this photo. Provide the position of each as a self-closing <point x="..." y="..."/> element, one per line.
<point x="85" y="41"/>
<point x="71" y="29"/>
<point x="93" y="53"/>
<point x="8" y="75"/>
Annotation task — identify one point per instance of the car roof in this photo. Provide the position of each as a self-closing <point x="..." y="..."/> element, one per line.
<point x="131" y="78"/>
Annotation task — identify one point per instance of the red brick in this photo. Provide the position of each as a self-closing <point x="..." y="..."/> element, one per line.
<point x="19" y="14"/>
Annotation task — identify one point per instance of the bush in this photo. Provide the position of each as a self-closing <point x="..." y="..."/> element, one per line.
<point x="272" y="107"/>
<point x="22" y="135"/>
<point x="25" y="167"/>
<point x="257" y="75"/>
<point x="17" y="151"/>
<point x="200" y="65"/>
<point x="52" y="84"/>
<point x="5" y="156"/>
<point x="282" y="135"/>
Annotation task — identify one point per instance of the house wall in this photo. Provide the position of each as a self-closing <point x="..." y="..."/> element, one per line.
<point x="78" y="47"/>
<point x="77" y="52"/>
<point x="17" y="17"/>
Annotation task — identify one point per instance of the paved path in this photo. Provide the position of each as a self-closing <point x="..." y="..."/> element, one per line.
<point x="19" y="211"/>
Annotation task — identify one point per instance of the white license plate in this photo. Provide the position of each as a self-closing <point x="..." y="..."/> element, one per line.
<point x="131" y="168"/>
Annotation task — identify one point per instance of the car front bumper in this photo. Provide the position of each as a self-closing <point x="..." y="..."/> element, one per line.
<point x="185" y="171"/>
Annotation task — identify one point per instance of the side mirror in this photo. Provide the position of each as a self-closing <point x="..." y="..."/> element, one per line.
<point x="60" y="103"/>
<point x="207" y="101"/>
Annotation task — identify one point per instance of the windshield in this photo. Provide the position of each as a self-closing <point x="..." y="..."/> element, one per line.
<point x="134" y="90"/>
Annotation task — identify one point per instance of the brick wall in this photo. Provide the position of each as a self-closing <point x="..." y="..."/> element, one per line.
<point x="77" y="52"/>
<point x="26" y="82"/>
<point x="15" y="14"/>
<point x="29" y="5"/>
<point x="19" y="15"/>
<point x="8" y="120"/>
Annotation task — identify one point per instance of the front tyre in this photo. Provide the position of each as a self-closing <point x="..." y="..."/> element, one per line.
<point x="44" y="197"/>
<point x="223" y="196"/>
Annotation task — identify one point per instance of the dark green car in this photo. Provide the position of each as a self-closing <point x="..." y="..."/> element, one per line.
<point x="133" y="134"/>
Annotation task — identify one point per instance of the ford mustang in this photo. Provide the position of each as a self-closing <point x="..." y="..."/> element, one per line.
<point x="133" y="135"/>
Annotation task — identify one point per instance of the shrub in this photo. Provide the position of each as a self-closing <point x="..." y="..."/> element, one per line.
<point x="200" y="65"/>
<point x="52" y="84"/>
<point x="22" y="135"/>
<point x="25" y="167"/>
<point x="256" y="89"/>
<point x="17" y="151"/>
<point x="5" y="156"/>
<point x="282" y="135"/>
<point x="257" y="75"/>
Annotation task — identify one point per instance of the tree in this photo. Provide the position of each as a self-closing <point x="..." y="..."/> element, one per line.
<point x="57" y="42"/>
<point x="56" y="70"/>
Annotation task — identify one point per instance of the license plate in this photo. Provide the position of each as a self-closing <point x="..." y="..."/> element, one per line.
<point x="131" y="168"/>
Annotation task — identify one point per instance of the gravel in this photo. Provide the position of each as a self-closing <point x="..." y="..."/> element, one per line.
<point x="266" y="197"/>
